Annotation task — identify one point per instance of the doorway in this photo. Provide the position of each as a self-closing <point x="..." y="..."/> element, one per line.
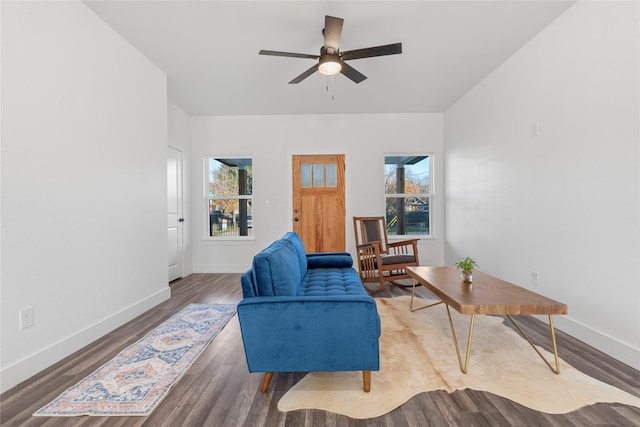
<point x="319" y="201"/>
<point x="175" y="219"/>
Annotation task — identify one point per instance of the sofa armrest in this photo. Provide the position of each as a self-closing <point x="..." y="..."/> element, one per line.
<point x="313" y="254"/>
<point x="298" y="334"/>
<point x="329" y="260"/>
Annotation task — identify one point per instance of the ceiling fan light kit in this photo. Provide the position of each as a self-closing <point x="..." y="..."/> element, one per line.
<point x="331" y="61"/>
<point x="329" y="65"/>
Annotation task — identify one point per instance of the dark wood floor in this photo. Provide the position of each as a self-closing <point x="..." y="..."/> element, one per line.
<point x="218" y="390"/>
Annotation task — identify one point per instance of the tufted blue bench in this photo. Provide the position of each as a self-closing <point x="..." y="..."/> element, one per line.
<point x="307" y="312"/>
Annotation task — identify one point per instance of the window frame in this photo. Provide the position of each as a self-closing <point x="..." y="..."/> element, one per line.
<point x="207" y="198"/>
<point x="430" y="195"/>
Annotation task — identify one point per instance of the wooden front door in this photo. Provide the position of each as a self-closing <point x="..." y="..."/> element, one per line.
<point x="318" y="201"/>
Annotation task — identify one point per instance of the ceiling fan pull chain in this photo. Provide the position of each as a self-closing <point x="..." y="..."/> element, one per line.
<point x="330" y="78"/>
<point x="332" y="91"/>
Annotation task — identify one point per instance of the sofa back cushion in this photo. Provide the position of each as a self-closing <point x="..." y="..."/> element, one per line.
<point x="277" y="269"/>
<point x="249" y="288"/>
<point x="296" y="241"/>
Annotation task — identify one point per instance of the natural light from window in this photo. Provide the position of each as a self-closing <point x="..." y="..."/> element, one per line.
<point x="408" y="194"/>
<point x="230" y="197"/>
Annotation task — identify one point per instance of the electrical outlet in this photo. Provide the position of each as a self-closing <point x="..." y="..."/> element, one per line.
<point x="26" y="317"/>
<point x="535" y="278"/>
<point x="535" y="129"/>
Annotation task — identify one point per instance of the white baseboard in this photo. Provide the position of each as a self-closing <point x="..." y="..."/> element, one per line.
<point x="25" y="368"/>
<point x="226" y="268"/>
<point x="188" y="270"/>
<point x="606" y="344"/>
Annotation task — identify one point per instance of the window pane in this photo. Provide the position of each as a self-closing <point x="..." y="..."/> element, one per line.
<point x="305" y="176"/>
<point x="230" y="177"/>
<point x="318" y="175"/>
<point x="407" y="216"/>
<point x="230" y="217"/>
<point x="406" y="175"/>
<point x="332" y="177"/>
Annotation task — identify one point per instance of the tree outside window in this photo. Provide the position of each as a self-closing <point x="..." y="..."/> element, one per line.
<point x="407" y="188"/>
<point x="230" y="197"/>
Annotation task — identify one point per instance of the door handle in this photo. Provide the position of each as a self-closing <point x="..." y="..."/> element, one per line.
<point x="296" y="219"/>
<point x="181" y="220"/>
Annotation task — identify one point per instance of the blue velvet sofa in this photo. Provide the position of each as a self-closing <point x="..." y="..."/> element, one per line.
<point x="307" y="312"/>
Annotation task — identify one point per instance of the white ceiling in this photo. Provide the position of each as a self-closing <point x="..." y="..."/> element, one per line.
<point x="209" y="50"/>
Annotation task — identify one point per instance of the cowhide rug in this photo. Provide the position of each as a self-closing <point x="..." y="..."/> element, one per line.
<point x="417" y="355"/>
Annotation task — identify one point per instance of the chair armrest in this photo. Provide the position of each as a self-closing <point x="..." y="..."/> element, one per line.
<point x="298" y="334"/>
<point x="402" y="247"/>
<point x="404" y="243"/>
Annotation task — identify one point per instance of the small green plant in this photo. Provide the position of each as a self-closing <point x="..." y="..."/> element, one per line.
<point x="466" y="264"/>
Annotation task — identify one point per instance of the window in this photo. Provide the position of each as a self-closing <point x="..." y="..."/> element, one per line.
<point x="407" y="190"/>
<point x="324" y="175"/>
<point x="230" y="195"/>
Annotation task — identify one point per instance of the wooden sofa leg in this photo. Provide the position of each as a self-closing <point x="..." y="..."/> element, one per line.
<point x="266" y="381"/>
<point x="366" y="380"/>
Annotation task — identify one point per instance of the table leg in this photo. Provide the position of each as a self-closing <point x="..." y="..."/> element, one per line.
<point x="464" y="368"/>
<point x="555" y="370"/>
<point x="413" y="291"/>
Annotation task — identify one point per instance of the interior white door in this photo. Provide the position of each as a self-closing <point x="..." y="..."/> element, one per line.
<point x="175" y="219"/>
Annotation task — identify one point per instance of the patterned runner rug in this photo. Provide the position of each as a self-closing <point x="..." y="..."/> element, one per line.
<point x="137" y="379"/>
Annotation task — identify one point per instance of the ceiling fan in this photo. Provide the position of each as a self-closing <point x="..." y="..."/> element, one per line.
<point x="331" y="61"/>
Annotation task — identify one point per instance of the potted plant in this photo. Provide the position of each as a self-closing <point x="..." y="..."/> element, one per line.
<point x="467" y="265"/>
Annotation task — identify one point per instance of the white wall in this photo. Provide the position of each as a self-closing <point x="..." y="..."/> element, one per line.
<point x="272" y="140"/>
<point x="567" y="202"/>
<point x="84" y="137"/>
<point x="179" y="137"/>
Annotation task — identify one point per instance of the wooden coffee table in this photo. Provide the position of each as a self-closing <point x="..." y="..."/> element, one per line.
<point x="486" y="295"/>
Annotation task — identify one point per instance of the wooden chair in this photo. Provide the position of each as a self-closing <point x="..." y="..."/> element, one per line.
<point x="378" y="260"/>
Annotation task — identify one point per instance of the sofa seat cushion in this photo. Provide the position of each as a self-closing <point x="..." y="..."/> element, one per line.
<point x="331" y="281"/>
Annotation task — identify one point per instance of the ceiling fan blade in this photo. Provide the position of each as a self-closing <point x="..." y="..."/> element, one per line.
<point x="288" y="54"/>
<point x="368" y="52"/>
<point x="304" y="75"/>
<point x="352" y="73"/>
<point x="332" y="32"/>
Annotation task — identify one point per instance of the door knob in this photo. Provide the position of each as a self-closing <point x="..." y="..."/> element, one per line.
<point x="181" y="220"/>
<point x="296" y="219"/>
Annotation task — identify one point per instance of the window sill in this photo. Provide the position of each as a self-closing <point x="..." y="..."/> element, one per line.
<point x="234" y="241"/>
